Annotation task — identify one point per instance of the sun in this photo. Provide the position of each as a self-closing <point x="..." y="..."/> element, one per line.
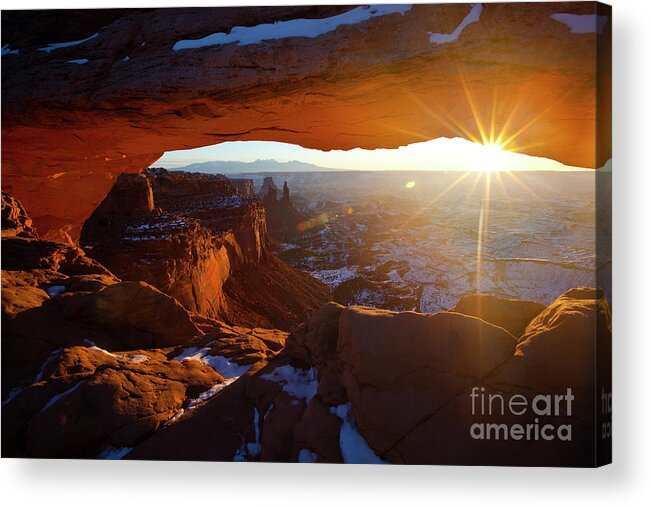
<point x="492" y="157"/>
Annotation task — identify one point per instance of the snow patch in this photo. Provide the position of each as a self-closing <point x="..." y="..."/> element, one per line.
<point x="133" y="358"/>
<point x="222" y="365"/>
<point x="91" y="345"/>
<point x="286" y="247"/>
<point x="582" y="23"/>
<point x="145" y="238"/>
<point x="58" y="45"/>
<point x="81" y="61"/>
<point x="333" y="277"/>
<point x="49" y="359"/>
<point x="472" y="17"/>
<point x="250" y="450"/>
<point x="12" y="394"/>
<point x="56" y="398"/>
<point x="55" y="290"/>
<point x="17" y="390"/>
<point x="110" y="452"/>
<point x="299" y="383"/>
<point x="206" y="395"/>
<point x="271" y="407"/>
<point x="307" y="456"/>
<point x="394" y="276"/>
<point x="354" y="448"/>
<point x="310" y="28"/>
<point x="6" y="50"/>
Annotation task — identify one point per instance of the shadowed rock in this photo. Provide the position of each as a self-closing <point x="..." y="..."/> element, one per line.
<point x="283" y="220"/>
<point x="399" y="368"/>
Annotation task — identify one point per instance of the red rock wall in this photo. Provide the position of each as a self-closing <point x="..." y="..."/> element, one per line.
<point x="244" y="186"/>
<point x="203" y="244"/>
<point x="189" y="245"/>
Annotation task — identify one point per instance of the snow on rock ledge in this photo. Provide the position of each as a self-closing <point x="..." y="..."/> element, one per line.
<point x="309" y="28"/>
<point x="587" y="23"/>
<point x="472" y="17"/>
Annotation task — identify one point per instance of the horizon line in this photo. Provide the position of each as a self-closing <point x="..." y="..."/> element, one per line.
<point x="347" y="169"/>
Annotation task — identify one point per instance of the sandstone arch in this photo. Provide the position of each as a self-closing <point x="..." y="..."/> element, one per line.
<point x="75" y="117"/>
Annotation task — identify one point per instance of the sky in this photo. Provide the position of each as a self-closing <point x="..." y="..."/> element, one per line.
<point x="438" y="154"/>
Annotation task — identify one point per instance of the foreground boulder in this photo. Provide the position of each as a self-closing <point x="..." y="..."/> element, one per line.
<point x="436" y="389"/>
<point x="135" y="314"/>
<point x="88" y="401"/>
<point x="243" y="346"/>
<point x="400" y="368"/>
<point x="558" y="348"/>
<point x="315" y="341"/>
<point x="554" y="363"/>
<point x="28" y="254"/>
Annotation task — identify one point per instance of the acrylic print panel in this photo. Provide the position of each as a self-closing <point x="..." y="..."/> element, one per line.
<point x="347" y="234"/>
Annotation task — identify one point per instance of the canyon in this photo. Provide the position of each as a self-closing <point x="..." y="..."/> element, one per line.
<point x="377" y="243"/>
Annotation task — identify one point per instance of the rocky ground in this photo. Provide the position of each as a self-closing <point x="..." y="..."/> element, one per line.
<point x="97" y="366"/>
<point x="377" y="243"/>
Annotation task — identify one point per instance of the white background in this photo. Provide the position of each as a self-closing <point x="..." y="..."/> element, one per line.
<point x="626" y="482"/>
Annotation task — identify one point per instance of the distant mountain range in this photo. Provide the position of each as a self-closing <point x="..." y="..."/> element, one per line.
<point x="234" y="167"/>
